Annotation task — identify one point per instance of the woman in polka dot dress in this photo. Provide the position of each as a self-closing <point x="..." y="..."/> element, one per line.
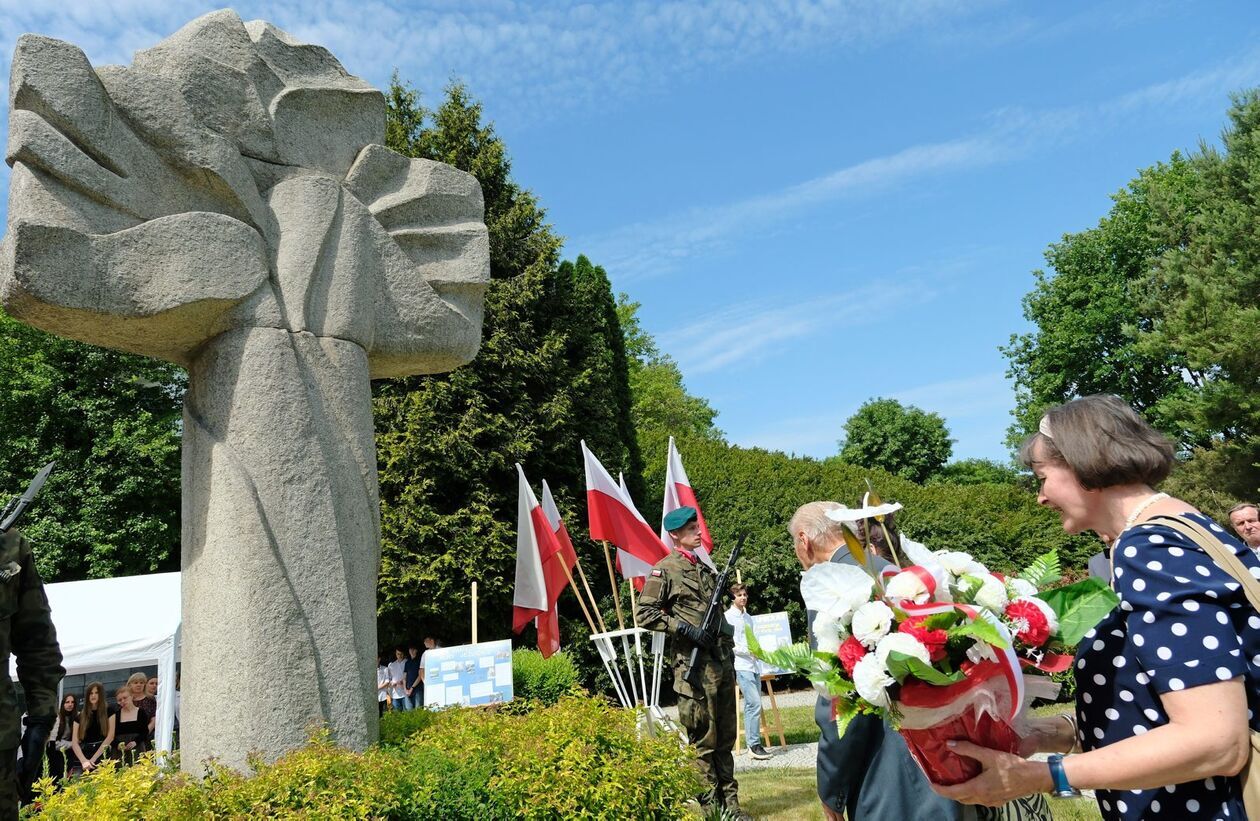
<point x="1168" y="683"/>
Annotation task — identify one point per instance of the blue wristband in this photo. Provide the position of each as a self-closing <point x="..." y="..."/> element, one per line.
<point x="1061" y="789"/>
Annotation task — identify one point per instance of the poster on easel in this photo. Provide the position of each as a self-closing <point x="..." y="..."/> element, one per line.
<point x="772" y="631"/>
<point x="468" y="675"/>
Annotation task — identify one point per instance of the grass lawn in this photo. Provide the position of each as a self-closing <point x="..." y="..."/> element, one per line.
<point x="786" y="794"/>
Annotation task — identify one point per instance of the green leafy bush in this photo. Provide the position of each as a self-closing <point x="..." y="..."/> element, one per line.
<point x="541" y="680"/>
<point x="398" y="725"/>
<point x="579" y="758"/>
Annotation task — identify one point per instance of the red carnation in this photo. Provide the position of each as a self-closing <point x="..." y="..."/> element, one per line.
<point x="933" y="640"/>
<point x="1029" y="623"/>
<point x="850" y="653"/>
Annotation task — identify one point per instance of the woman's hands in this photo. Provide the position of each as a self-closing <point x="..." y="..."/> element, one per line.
<point x="1004" y="777"/>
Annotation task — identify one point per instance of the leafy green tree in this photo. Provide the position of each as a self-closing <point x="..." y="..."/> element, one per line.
<point x="976" y="472"/>
<point x="662" y="407"/>
<point x="112" y="423"/>
<point x="552" y="370"/>
<point x="1089" y="313"/>
<point x="902" y="440"/>
<point x="1157" y="305"/>
<point x="1202" y="298"/>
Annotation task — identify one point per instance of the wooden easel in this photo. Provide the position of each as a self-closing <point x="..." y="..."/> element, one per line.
<point x="765" y="725"/>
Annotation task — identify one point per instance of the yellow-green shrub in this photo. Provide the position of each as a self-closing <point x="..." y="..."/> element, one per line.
<point x="580" y="758"/>
<point x="542" y="680"/>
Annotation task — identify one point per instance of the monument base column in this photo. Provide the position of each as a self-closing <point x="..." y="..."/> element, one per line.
<point x="281" y="547"/>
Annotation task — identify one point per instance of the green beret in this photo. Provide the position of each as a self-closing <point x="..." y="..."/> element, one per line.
<point x="677" y="519"/>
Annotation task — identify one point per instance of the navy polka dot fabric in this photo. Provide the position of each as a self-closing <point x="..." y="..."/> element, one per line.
<point x="1182" y="622"/>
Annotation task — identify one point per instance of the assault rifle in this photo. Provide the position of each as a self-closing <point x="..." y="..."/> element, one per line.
<point x="18" y="504"/>
<point x="709" y="626"/>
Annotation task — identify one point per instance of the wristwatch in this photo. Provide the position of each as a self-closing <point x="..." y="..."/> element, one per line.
<point x="1062" y="789"/>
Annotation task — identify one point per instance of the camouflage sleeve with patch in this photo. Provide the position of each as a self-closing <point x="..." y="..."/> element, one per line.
<point x="655" y="601"/>
<point x="33" y="639"/>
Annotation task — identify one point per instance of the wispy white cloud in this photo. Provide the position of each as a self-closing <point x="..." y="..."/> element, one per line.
<point x="539" y="56"/>
<point x="659" y="246"/>
<point x="662" y="245"/>
<point x="749" y="332"/>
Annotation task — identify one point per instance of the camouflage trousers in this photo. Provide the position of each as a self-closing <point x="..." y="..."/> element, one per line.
<point x="708" y="713"/>
<point x="8" y="785"/>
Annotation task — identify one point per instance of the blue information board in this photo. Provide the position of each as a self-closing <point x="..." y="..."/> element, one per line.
<point x="772" y="631"/>
<point x="468" y="675"/>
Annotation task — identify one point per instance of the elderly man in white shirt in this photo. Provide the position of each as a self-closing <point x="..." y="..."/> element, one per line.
<point x="747" y="673"/>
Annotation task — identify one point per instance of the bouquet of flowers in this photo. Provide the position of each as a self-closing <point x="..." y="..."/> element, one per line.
<point x="936" y="647"/>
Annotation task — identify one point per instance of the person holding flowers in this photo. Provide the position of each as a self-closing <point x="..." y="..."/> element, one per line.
<point x="1168" y="682"/>
<point x="867" y="771"/>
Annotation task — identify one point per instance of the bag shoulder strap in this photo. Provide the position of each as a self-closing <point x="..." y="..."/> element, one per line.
<point x="1211" y="545"/>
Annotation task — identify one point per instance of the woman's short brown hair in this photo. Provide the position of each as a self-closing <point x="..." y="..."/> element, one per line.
<point x="1104" y="442"/>
<point x="738" y="588"/>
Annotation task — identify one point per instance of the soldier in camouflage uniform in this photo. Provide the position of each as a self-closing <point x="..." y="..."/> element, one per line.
<point x="674" y="599"/>
<point x="27" y="632"/>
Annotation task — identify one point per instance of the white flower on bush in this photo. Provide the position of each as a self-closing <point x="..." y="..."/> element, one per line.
<point x="958" y="563"/>
<point x="836" y="589"/>
<point x="872" y="680"/>
<point x="1015" y="588"/>
<point x="901" y="643"/>
<point x="827" y="633"/>
<point x="907" y="585"/>
<point x="871" y="622"/>
<point x="992" y="593"/>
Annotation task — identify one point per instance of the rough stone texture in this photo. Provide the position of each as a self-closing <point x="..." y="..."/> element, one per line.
<point x="224" y="203"/>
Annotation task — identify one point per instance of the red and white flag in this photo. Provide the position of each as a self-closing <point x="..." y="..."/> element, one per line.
<point x="554" y="573"/>
<point x="613" y="518"/>
<point x="678" y="493"/>
<point x="630" y="568"/>
<point x="536" y="546"/>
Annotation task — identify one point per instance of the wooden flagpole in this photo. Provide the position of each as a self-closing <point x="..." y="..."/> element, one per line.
<point x="612" y="580"/>
<point x="474" y="612"/>
<point x="594" y="605"/>
<point x="587" y="613"/>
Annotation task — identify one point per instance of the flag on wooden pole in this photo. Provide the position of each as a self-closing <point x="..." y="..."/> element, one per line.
<point x="632" y="569"/>
<point x="678" y="493"/>
<point x="613" y="517"/>
<point x="536" y="545"/>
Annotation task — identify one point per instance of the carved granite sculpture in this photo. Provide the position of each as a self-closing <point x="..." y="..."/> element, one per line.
<point x="224" y="203"/>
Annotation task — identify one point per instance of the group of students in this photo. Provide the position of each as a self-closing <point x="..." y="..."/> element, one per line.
<point x="400" y="682"/>
<point x="91" y="728"/>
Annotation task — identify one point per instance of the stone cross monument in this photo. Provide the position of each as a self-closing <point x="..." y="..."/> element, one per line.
<point x="225" y="203"/>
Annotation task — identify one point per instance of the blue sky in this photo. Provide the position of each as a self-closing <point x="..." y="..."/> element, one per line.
<point x="816" y="203"/>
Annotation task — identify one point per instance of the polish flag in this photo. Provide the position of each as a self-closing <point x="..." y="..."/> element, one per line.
<point x="630" y="568"/>
<point x="678" y="493"/>
<point x="536" y="546"/>
<point x="554" y="571"/>
<point x="613" y="518"/>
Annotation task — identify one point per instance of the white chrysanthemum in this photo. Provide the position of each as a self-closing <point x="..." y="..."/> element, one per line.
<point x="958" y="563"/>
<point x="980" y="651"/>
<point x="827" y="634"/>
<point x="871" y="622"/>
<point x="835" y="589"/>
<point x="872" y="681"/>
<point x="1015" y="588"/>
<point x="907" y="586"/>
<point x="901" y="643"/>
<point x="1046" y="610"/>
<point x="992" y="593"/>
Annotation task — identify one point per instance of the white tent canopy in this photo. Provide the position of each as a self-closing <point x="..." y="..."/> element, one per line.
<point x="93" y="639"/>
